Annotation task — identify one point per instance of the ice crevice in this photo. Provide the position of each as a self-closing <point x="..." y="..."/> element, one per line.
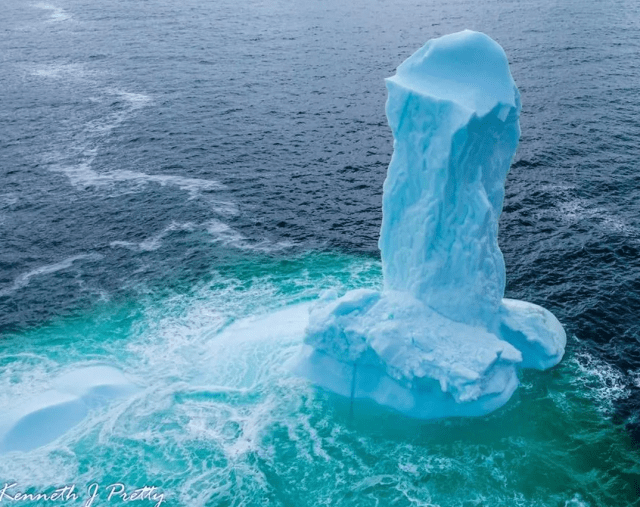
<point x="440" y="339"/>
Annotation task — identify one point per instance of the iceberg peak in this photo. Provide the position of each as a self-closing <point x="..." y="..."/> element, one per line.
<point x="467" y="68"/>
<point x="440" y="339"/>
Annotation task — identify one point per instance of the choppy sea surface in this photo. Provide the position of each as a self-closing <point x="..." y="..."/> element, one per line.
<point x="168" y="168"/>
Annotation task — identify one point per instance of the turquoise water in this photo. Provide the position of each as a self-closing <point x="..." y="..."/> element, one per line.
<point x="222" y="422"/>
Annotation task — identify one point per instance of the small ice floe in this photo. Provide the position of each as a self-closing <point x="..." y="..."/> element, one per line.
<point x="41" y="418"/>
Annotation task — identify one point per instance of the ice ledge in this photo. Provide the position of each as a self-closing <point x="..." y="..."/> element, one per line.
<point x="534" y="331"/>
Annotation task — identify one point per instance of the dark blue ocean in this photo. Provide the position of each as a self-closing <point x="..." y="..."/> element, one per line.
<point x="167" y="168"/>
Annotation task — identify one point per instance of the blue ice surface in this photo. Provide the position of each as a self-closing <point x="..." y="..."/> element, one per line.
<point x="43" y="417"/>
<point x="440" y="339"/>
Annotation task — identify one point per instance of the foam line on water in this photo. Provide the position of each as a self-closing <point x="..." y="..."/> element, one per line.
<point x="220" y="233"/>
<point x="24" y="279"/>
<point x="576" y="501"/>
<point x="572" y="209"/>
<point x="154" y="242"/>
<point x="85" y="144"/>
<point x="82" y="175"/>
<point x="601" y="381"/>
<point x="56" y="13"/>
<point x="24" y="374"/>
<point x="6" y="203"/>
<point x="580" y="209"/>
<point x="225" y="234"/>
<point x="75" y="71"/>
<point x="86" y="147"/>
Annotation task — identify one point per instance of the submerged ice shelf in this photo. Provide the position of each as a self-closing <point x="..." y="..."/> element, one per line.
<point x="440" y="339"/>
<point x="43" y="417"/>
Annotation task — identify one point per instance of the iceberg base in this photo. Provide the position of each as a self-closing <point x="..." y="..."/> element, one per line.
<point x="368" y="382"/>
<point x="391" y="348"/>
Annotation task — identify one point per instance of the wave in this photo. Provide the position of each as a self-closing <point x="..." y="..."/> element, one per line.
<point x="600" y="381"/>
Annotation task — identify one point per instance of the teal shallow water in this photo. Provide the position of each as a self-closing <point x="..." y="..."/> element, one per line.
<point x="220" y="420"/>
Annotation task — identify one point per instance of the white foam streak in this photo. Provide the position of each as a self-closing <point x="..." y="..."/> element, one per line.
<point x="135" y="100"/>
<point x="601" y="381"/>
<point x="221" y="233"/>
<point x="24" y="279"/>
<point x="82" y="175"/>
<point x="226" y="235"/>
<point x="576" y="501"/>
<point x="86" y="144"/>
<point x="154" y="242"/>
<point x="59" y="71"/>
<point x="579" y="209"/>
<point x="571" y="210"/>
<point x="56" y="13"/>
<point x="23" y="375"/>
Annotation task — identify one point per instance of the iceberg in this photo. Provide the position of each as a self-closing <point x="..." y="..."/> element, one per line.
<point x="439" y="339"/>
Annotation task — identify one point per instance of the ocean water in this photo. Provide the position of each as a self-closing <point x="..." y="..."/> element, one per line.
<point x="169" y="169"/>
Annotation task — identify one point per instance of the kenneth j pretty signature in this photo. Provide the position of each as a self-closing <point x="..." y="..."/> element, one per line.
<point x="113" y="492"/>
